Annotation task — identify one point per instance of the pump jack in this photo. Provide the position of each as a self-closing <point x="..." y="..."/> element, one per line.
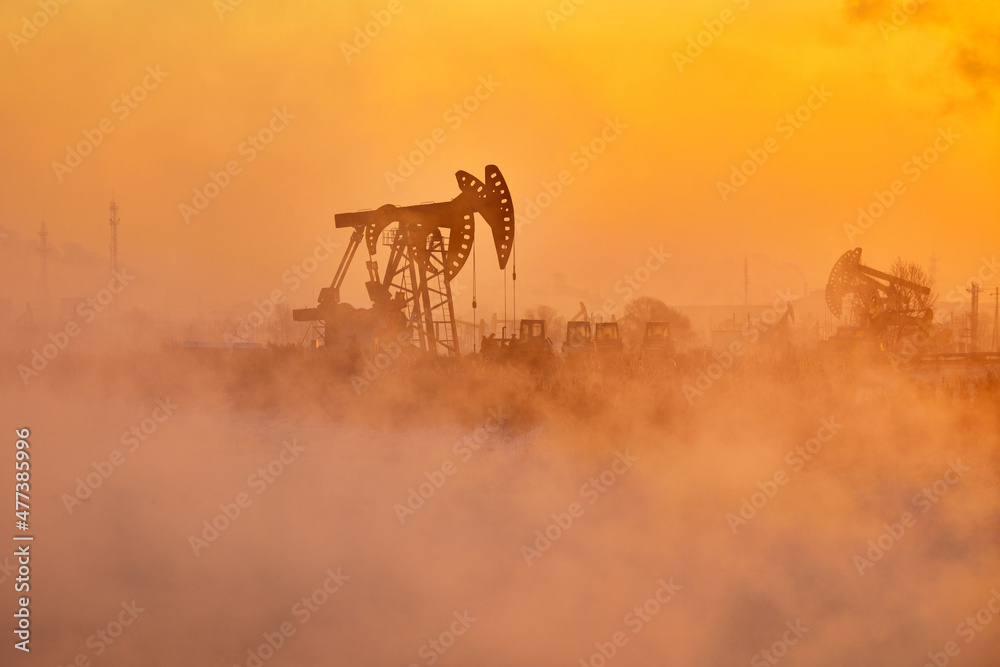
<point x="879" y="317"/>
<point x="428" y="247"/>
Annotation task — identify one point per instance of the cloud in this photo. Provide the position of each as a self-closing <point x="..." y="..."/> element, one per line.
<point x="865" y="10"/>
<point x="978" y="61"/>
<point x="974" y="51"/>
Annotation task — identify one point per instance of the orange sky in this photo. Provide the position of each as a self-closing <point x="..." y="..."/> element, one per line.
<point x="556" y="86"/>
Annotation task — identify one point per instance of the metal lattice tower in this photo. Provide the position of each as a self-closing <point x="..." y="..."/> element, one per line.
<point x="114" y="236"/>
<point x="974" y="317"/>
<point x="746" y="282"/>
<point x="996" y="317"/>
<point x="419" y="274"/>
<point x="43" y="273"/>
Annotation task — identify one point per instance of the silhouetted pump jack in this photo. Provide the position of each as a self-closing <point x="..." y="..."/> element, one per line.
<point x="877" y="312"/>
<point x="411" y="300"/>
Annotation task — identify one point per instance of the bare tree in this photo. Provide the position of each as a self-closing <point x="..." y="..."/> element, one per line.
<point x="907" y="299"/>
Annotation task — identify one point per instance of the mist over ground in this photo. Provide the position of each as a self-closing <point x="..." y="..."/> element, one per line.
<point x="769" y="512"/>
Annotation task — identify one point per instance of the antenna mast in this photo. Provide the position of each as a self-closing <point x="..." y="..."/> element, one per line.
<point x="43" y="276"/>
<point x="114" y="236"/>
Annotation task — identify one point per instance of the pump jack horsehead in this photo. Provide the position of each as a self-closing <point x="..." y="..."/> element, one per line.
<point x="411" y="301"/>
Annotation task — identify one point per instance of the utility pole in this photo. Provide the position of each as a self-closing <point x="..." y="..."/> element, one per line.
<point x="114" y="236"/>
<point x="974" y="318"/>
<point x="996" y="314"/>
<point x="746" y="287"/>
<point x="746" y="281"/>
<point x="43" y="275"/>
